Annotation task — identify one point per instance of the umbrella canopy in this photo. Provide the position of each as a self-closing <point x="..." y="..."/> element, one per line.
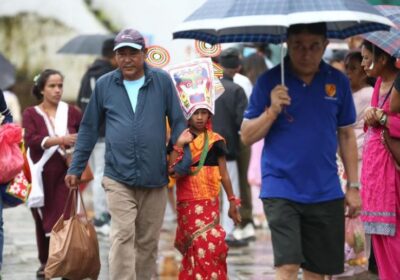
<point x="7" y="73"/>
<point x="90" y="44"/>
<point x="223" y="21"/>
<point x="389" y="41"/>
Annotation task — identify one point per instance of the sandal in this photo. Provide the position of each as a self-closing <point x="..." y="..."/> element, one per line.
<point x="40" y="272"/>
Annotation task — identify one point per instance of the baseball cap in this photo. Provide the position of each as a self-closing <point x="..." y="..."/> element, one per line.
<point x="129" y="38"/>
<point x="229" y="58"/>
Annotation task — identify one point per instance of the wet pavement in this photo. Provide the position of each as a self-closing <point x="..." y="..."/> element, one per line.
<point x="20" y="262"/>
<point x="254" y="262"/>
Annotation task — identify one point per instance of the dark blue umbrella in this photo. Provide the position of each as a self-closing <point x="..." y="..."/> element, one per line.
<point x="389" y="41"/>
<point x="89" y="44"/>
<point x="7" y="73"/>
<point x="223" y="21"/>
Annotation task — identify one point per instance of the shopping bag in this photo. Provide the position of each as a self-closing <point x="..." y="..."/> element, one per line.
<point x="11" y="158"/>
<point x="16" y="192"/>
<point x="74" y="249"/>
<point x="355" y="243"/>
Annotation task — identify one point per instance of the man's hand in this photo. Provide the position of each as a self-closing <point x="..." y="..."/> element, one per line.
<point x="279" y="98"/>
<point x="353" y="202"/>
<point x="72" y="181"/>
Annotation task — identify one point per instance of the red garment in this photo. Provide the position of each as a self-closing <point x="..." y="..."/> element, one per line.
<point x="54" y="171"/>
<point x="201" y="240"/>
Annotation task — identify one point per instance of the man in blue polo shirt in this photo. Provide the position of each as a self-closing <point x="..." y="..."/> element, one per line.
<point x="302" y="123"/>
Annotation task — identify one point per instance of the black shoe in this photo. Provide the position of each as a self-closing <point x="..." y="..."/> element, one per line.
<point x="40" y="272"/>
<point x="236" y="243"/>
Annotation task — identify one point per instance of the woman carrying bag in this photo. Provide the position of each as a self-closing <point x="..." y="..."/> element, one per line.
<point x="50" y="129"/>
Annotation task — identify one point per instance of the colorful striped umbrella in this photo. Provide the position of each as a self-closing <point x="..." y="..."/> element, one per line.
<point x="389" y="41"/>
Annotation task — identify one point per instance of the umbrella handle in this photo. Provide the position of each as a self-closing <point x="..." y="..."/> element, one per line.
<point x="288" y="116"/>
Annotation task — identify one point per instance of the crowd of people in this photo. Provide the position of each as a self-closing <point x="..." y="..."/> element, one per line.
<point x="279" y="142"/>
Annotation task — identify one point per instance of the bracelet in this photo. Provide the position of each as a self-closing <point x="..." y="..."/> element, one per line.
<point x="235" y="199"/>
<point x="355" y="185"/>
<point x="383" y="119"/>
<point x="178" y="159"/>
<point x="177" y="149"/>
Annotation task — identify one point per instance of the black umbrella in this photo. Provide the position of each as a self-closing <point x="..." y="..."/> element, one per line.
<point x="7" y="73"/>
<point x="85" y="44"/>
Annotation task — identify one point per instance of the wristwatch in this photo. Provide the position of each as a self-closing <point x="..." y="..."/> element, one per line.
<point x="383" y="119"/>
<point x="355" y="185"/>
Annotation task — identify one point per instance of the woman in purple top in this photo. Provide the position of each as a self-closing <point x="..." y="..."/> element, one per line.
<point x="50" y="129"/>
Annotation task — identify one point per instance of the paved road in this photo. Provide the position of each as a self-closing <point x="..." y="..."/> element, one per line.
<point x="254" y="262"/>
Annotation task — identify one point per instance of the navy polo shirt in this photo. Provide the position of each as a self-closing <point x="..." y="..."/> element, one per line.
<point x="299" y="158"/>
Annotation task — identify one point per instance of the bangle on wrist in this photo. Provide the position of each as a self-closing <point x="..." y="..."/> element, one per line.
<point x="383" y="119"/>
<point x="355" y="185"/>
<point x="234" y="199"/>
<point x="178" y="149"/>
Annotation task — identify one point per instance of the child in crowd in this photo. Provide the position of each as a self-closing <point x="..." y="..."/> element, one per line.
<point x="199" y="237"/>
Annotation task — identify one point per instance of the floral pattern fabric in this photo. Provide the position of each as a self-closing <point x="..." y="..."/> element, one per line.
<point x="201" y="240"/>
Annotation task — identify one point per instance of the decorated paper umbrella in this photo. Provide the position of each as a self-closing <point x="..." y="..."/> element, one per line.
<point x="157" y="56"/>
<point x="218" y="70"/>
<point x="207" y="50"/>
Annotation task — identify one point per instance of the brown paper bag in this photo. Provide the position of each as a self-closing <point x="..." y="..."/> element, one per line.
<point x="74" y="250"/>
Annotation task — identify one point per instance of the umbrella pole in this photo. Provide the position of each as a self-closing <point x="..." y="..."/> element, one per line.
<point x="282" y="66"/>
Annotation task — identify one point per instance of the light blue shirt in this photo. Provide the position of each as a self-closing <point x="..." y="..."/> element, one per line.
<point x="132" y="87"/>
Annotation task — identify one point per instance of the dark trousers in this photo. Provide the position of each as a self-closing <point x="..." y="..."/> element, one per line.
<point x="246" y="209"/>
<point x="41" y="240"/>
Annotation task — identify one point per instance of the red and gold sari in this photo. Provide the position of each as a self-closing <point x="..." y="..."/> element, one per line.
<point x="199" y="236"/>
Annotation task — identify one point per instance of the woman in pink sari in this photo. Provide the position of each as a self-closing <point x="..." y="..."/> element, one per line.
<point x="380" y="177"/>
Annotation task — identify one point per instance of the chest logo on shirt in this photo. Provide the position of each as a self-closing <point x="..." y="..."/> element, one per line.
<point x="330" y="90"/>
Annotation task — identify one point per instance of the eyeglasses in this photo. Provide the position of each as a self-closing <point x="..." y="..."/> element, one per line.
<point x="315" y="47"/>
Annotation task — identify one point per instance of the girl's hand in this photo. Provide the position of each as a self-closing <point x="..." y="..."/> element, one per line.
<point x="185" y="138"/>
<point x="234" y="214"/>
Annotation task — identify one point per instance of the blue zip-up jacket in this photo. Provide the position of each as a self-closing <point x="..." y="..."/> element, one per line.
<point x="135" y="141"/>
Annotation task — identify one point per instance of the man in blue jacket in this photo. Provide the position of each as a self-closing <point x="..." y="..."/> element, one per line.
<point x="133" y="103"/>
